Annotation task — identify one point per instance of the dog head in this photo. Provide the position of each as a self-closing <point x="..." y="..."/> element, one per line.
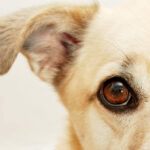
<point x="98" y="61"/>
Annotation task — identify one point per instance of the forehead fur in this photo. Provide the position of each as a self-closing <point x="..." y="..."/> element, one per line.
<point x="126" y="28"/>
<point x="112" y="36"/>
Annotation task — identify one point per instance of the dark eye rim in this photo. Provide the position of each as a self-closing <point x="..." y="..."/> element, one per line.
<point x="130" y="104"/>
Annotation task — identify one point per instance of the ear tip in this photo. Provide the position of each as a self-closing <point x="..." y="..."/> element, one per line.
<point x="4" y="69"/>
<point x="2" y="72"/>
<point x="6" y="63"/>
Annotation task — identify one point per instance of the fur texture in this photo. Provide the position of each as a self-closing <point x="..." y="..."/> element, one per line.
<point x="76" y="48"/>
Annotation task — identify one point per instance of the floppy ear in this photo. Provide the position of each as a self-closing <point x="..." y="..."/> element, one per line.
<point x="10" y="36"/>
<point x="48" y="39"/>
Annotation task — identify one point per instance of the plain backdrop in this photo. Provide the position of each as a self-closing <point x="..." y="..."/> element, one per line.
<point x="31" y="116"/>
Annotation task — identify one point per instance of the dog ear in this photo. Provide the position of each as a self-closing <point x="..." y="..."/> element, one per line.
<point x="11" y="39"/>
<point x="48" y="37"/>
<point x="52" y="37"/>
<point x="9" y="43"/>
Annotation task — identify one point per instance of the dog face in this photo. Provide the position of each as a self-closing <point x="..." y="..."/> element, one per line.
<point x="98" y="60"/>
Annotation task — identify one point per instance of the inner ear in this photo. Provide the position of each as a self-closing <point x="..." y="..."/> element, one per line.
<point x="68" y="41"/>
<point x="52" y="37"/>
<point x="47" y="49"/>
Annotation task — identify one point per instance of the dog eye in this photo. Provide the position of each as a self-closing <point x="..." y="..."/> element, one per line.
<point x="115" y="94"/>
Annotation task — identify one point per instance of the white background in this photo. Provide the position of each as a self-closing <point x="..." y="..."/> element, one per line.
<point x="31" y="117"/>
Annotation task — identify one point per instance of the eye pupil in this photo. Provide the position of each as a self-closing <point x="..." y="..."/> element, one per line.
<point x="116" y="88"/>
<point x="116" y="92"/>
<point x="117" y="95"/>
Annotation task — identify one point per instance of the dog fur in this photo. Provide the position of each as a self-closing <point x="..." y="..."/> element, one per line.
<point x="76" y="48"/>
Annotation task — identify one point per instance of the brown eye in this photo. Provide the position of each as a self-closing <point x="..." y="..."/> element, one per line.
<point x="115" y="94"/>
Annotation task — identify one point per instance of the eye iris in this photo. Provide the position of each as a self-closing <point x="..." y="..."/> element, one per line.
<point x="116" y="92"/>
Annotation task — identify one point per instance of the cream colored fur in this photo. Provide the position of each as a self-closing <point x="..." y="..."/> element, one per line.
<point x="107" y="38"/>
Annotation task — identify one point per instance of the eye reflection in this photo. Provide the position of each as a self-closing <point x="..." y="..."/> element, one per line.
<point x="116" y="92"/>
<point x="116" y="95"/>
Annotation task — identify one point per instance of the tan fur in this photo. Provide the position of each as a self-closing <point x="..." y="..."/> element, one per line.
<point x="112" y="42"/>
<point x="15" y="28"/>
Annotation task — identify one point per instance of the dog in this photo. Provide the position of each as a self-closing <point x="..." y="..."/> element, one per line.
<point x="98" y="60"/>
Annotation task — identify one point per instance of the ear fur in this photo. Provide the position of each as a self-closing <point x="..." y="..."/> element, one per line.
<point x="9" y="43"/>
<point x="46" y="37"/>
<point x="11" y="38"/>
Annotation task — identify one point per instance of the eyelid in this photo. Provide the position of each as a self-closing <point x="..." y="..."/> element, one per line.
<point x="119" y="107"/>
